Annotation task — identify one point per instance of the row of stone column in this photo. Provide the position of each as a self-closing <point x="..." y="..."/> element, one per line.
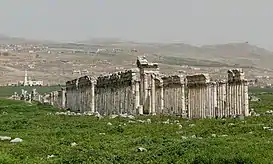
<point x="58" y="98"/>
<point x="162" y="95"/>
<point x="218" y="100"/>
<point x="237" y="98"/>
<point x="154" y="94"/>
<point x="115" y="100"/>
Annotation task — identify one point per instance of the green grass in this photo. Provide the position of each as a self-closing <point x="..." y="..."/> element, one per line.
<point x="7" y="91"/>
<point x="265" y="104"/>
<point x="43" y="135"/>
<point x="260" y="90"/>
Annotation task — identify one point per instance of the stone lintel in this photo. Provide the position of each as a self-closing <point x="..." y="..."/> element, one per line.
<point x="118" y="79"/>
<point x="86" y="81"/>
<point x="235" y="82"/>
<point x="201" y="79"/>
<point x="142" y="62"/>
<point x="235" y="75"/>
<point x="173" y="80"/>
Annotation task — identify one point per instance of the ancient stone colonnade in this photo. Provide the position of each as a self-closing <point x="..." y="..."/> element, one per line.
<point x="145" y="91"/>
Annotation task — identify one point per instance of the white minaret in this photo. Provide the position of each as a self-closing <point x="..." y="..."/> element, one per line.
<point x="25" y="82"/>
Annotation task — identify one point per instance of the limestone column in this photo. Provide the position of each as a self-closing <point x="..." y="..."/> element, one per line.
<point x="224" y="100"/>
<point x="145" y="101"/>
<point x="153" y="111"/>
<point x="236" y="98"/>
<point x="209" y="101"/>
<point x="231" y="102"/>
<point x="227" y="99"/>
<point x="192" y="102"/>
<point x="51" y="98"/>
<point x="174" y="100"/>
<point x="183" y="106"/>
<point x="214" y="99"/>
<point x="189" y="103"/>
<point x="125" y="102"/>
<point x="137" y="98"/>
<point x="203" y="100"/>
<point x="104" y="101"/>
<point x="192" y="98"/>
<point x="63" y="98"/>
<point x="200" y="101"/>
<point x="246" y="105"/>
<point x="197" y="102"/>
<point x="218" y="100"/>
<point x="240" y="108"/>
<point x="92" y="96"/>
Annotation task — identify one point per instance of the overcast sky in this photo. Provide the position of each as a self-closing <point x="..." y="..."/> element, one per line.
<point x="188" y="21"/>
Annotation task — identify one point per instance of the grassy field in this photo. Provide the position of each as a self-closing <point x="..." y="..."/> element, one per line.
<point x="7" y="91"/>
<point x="48" y="138"/>
<point x="260" y="90"/>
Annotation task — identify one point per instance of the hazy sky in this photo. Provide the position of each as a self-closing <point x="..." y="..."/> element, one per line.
<point x="188" y="21"/>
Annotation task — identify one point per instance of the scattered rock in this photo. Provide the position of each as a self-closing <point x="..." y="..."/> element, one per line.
<point x="131" y="117"/>
<point x="88" y="113"/>
<point x="231" y="124"/>
<point x="3" y="138"/>
<point x="180" y="126"/>
<point x="166" y="122"/>
<point x="131" y="121"/>
<point x="141" y="149"/>
<point x="269" y="112"/>
<point x="176" y="121"/>
<point x="149" y="121"/>
<point x="74" y="144"/>
<point x="126" y="115"/>
<point x="191" y="125"/>
<point x="101" y="133"/>
<point x="113" y="116"/>
<point x="266" y="128"/>
<point x="16" y="140"/>
<point x="5" y="113"/>
<point x="50" y="156"/>
<point x="213" y="135"/>
<point x="141" y="121"/>
<point x="184" y="137"/>
<point x="109" y="123"/>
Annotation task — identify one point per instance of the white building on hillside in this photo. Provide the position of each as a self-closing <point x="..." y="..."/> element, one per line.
<point x="28" y="82"/>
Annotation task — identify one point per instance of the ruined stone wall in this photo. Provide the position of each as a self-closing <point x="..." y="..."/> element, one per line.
<point x="146" y="91"/>
<point x="202" y="96"/>
<point x="217" y="99"/>
<point x="237" y="93"/>
<point x="56" y="98"/>
<point x="86" y="90"/>
<point x="118" y="93"/>
<point x="73" y="95"/>
<point x="173" y="95"/>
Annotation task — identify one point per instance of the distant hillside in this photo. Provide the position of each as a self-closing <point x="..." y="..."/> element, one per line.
<point x="4" y="39"/>
<point x="243" y="54"/>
